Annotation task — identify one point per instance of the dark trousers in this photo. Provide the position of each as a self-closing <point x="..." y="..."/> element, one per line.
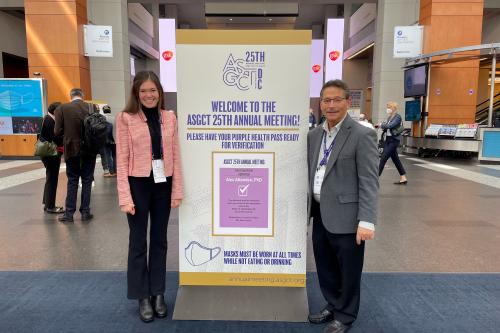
<point x="391" y="150"/>
<point x="339" y="263"/>
<point x="111" y="157"/>
<point x="52" y="164"/>
<point x="147" y="277"/>
<point x="77" y="167"/>
<point x="104" y="158"/>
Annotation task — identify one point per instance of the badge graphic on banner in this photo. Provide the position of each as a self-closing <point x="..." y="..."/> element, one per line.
<point x="244" y="183"/>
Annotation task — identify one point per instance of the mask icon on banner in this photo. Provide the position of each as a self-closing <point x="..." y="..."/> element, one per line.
<point x="197" y="254"/>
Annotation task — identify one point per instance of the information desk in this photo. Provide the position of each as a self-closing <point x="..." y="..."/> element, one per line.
<point x="412" y="144"/>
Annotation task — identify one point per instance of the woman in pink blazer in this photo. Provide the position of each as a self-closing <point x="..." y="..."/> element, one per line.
<point x="149" y="184"/>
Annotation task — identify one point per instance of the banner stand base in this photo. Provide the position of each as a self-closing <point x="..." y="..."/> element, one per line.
<point x="241" y="303"/>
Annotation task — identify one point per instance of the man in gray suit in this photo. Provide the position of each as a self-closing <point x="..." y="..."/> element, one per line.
<point x="342" y="162"/>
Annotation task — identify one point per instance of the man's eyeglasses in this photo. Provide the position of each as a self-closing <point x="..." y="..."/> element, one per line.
<point x="335" y="100"/>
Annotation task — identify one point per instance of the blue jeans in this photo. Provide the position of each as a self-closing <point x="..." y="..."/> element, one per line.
<point x="77" y="167"/>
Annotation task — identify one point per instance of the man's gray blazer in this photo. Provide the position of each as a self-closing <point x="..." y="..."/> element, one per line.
<point x="350" y="186"/>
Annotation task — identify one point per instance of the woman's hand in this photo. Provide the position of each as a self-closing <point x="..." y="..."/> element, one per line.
<point x="129" y="209"/>
<point x="174" y="203"/>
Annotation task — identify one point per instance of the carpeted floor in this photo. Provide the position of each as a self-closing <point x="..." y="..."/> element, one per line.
<point x="391" y="302"/>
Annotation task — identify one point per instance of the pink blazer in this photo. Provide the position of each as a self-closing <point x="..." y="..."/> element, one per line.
<point x="133" y="152"/>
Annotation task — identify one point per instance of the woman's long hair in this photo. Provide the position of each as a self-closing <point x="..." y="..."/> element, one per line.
<point x="134" y="104"/>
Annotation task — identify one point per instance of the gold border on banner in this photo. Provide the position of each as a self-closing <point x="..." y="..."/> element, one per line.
<point x="243" y="37"/>
<point x="242" y="279"/>
<point x="273" y="194"/>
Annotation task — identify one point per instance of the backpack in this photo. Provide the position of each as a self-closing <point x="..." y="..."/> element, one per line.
<point x="94" y="132"/>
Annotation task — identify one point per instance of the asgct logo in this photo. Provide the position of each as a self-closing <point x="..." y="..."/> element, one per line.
<point x="244" y="73"/>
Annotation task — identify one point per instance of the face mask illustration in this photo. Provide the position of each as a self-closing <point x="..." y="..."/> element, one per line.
<point x="197" y="254"/>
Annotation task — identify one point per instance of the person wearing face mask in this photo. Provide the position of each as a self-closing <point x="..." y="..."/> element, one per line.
<point x="149" y="184"/>
<point x="392" y="138"/>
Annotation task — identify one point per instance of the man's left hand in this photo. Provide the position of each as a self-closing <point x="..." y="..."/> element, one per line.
<point x="364" y="234"/>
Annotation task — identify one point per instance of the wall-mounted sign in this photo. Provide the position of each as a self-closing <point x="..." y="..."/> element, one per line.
<point x="408" y="41"/>
<point x="22" y="105"/>
<point x="98" y="40"/>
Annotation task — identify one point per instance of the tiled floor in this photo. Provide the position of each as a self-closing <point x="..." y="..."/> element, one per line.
<point x="447" y="219"/>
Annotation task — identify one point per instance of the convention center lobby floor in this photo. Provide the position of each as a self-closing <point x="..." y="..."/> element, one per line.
<point x="433" y="267"/>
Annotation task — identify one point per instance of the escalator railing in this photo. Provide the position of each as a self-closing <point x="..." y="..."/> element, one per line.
<point x="483" y="108"/>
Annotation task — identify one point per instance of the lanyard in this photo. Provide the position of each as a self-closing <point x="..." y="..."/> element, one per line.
<point x="326" y="152"/>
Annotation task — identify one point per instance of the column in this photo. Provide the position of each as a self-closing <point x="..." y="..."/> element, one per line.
<point x="387" y="72"/>
<point x="54" y="35"/>
<point x="111" y="76"/>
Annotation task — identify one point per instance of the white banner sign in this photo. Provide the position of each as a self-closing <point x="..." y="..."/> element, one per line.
<point x="243" y="122"/>
<point x="98" y="40"/>
<point x="317" y="54"/>
<point x="334" y="52"/>
<point x="168" y="56"/>
<point x="408" y="41"/>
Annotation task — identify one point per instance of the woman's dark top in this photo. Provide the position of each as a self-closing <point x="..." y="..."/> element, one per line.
<point x="48" y="131"/>
<point x="154" y="125"/>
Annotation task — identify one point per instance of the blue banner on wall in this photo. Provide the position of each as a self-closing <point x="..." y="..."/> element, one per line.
<point x="21" y="105"/>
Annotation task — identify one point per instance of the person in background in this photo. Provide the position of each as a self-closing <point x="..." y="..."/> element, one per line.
<point x="149" y="184"/>
<point x="110" y="147"/>
<point x="51" y="163"/>
<point x="392" y="142"/>
<point x="69" y="123"/>
<point x="312" y="119"/>
<point x="363" y="121"/>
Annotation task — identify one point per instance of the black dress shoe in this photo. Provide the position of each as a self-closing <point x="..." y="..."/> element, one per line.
<point x="336" y="327"/>
<point x="146" y="310"/>
<point x="322" y="317"/>
<point x="87" y="217"/>
<point x="159" y="306"/>
<point x="65" y="218"/>
<point x="55" y="210"/>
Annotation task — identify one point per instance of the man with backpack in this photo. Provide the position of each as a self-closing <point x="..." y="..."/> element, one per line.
<point x="83" y="131"/>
